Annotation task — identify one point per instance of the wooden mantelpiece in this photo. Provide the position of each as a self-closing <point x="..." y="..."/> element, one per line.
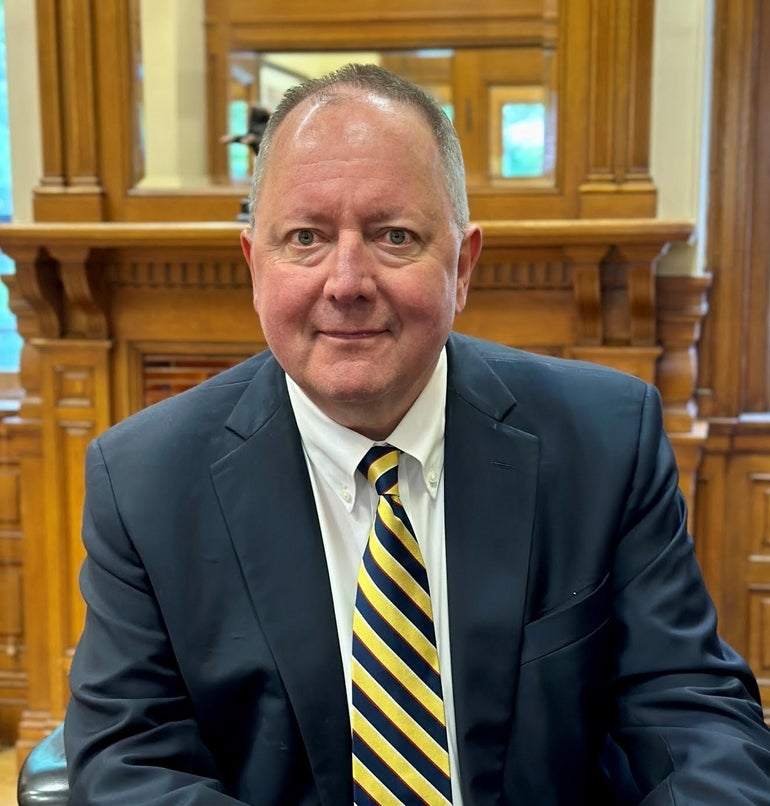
<point x="583" y="243"/>
<point x="497" y="234"/>
<point x="116" y="316"/>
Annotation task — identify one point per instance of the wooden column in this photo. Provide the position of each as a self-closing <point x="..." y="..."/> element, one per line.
<point x="68" y="89"/>
<point x="64" y="370"/>
<point x="218" y="91"/>
<point x="34" y="297"/>
<point x="681" y="310"/>
<point x="584" y="262"/>
<point x="14" y="679"/>
<point x="617" y="169"/>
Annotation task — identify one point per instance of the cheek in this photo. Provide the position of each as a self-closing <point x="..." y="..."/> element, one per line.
<point x="432" y="302"/>
<point x="281" y="303"/>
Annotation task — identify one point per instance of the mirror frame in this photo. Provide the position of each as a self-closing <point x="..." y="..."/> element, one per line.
<point x="603" y="61"/>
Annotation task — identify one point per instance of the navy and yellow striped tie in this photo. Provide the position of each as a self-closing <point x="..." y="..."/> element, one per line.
<point x="399" y="731"/>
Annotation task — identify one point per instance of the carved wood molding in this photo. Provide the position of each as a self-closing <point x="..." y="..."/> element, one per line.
<point x="84" y="302"/>
<point x="572" y="232"/>
<point x="67" y="65"/>
<point x="682" y="308"/>
<point x="137" y="271"/>
<point x="599" y="274"/>
<point x="498" y="273"/>
<point x="620" y="64"/>
<point x="498" y="233"/>
<point x="584" y="261"/>
<point x="35" y="296"/>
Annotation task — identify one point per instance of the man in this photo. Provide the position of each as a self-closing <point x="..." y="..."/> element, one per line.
<point x="548" y="591"/>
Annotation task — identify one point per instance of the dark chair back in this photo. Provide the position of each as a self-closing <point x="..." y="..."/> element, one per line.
<point x="43" y="776"/>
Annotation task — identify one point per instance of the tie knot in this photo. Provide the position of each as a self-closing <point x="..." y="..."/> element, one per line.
<point x="380" y="467"/>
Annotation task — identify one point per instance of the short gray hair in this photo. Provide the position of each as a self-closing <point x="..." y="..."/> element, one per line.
<point x="381" y="82"/>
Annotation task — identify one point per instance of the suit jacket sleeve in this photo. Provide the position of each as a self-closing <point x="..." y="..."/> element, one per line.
<point x="688" y="716"/>
<point x="130" y="734"/>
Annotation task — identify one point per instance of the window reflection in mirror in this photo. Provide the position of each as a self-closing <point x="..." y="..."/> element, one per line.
<point x="261" y="80"/>
<point x="501" y="101"/>
<point x="518" y="114"/>
<point x="523" y="140"/>
<point x="518" y="133"/>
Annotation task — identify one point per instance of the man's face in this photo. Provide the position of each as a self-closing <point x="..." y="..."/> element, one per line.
<point x="356" y="266"/>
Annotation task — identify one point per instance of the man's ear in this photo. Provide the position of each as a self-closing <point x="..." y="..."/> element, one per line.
<point x="246" y="247"/>
<point x="470" y="249"/>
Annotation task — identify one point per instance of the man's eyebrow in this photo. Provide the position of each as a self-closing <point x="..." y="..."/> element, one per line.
<point x="308" y="215"/>
<point x="396" y="215"/>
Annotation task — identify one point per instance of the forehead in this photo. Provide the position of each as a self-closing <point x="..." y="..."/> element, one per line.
<point x="356" y="154"/>
<point x="351" y="119"/>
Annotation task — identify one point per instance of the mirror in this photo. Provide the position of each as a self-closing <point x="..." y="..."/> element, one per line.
<point x="502" y="101"/>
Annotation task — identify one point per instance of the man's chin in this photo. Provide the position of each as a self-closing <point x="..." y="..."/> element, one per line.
<point x="353" y="394"/>
<point x="368" y="403"/>
<point x="347" y="393"/>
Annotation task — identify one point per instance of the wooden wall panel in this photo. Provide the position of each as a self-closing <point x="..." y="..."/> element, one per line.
<point x="757" y="349"/>
<point x="733" y="536"/>
<point x="745" y="613"/>
<point x="13" y="669"/>
<point x="620" y="59"/>
<point x="739" y="158"/>
<point x="733" y="512"/>
<point x="759" y="638"/>
<point x="76" y="402"/>
<point x="71" y="181"/>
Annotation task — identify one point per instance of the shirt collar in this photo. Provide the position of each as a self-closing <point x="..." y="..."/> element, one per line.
<point x="335" y="451"/>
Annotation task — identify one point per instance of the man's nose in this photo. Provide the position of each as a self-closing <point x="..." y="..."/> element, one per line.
<point x="351" y="270"/>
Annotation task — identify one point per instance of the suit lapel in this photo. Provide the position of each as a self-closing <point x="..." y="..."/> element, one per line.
<point x="267" y="502"/>
<point x="490" y="487"/>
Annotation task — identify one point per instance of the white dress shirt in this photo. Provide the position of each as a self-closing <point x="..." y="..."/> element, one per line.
<point x="346" y="505"/>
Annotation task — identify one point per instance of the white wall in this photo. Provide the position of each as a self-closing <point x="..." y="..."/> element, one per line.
<point x="174" y="62"/>
<point x="680" y="113"/>
<point x="23" y="103"/>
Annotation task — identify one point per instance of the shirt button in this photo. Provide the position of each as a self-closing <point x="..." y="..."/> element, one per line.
<point x="433" y="478"/>
<point x="346" y="495"/>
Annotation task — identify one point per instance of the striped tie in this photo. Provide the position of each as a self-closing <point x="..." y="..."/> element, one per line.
<point x="399" y="732"/>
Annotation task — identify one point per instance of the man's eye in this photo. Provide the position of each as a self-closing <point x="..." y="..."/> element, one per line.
<point x="304" y="237"/>
<point x="397" y="237"/>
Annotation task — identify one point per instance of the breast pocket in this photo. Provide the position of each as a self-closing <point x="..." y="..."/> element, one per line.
<point x="573" y="621"/>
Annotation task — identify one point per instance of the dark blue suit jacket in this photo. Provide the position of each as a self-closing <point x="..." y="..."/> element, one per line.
<point x="586" y="665"/>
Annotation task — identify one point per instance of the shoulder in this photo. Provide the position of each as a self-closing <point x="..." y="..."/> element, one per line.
<point x="575" y="407"/>
<point x="530" y="375"/>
